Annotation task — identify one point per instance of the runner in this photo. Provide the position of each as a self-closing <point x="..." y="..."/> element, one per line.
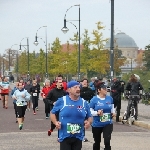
<point x="44" y="93"/>
<point x="14" y="101"/>
<point x="22" y="96"/>
<point x="34" y="92"/>
<point x="52" y="97"/>
<point x="28" y="87"/>
<point x="102" y="109"/>
<point x="5" y="91"/>
<point x="74" y="116"/>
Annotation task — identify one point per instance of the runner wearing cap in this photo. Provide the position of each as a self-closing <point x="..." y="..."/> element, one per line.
<point x="102" y="109"/>
<point x="74" y="116"/>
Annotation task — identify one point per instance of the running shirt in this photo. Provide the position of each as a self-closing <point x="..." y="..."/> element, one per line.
<point x="96" y="104"/>
<point x="72" y="115"/>
<point x="5" y="87"/>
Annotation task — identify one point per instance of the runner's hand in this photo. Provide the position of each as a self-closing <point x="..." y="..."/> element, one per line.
<point x="23" y="95"/>
<point x="86" y="124"/>
<point x="54" y="103"/>
<point x="100" y="112"/>
<point x="58" y="124"/>
<point x="113" y="115"/>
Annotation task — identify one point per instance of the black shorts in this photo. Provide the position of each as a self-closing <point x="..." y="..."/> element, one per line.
<point x="3" y="94"/>
<point x="21" y="111"/>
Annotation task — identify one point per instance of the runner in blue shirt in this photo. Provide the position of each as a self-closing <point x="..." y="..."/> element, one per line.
<point x="102" y="109"/>
<point x="74" y="116"/>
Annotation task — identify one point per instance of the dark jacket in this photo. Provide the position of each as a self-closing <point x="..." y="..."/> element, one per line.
<point x="28" y="87"/>
<point x="86" y="93"/>
<point x="35" y="89"/>
<point x="134" y="87"/>
<point x="54" y="94"/>
<point x="116" y="90"/>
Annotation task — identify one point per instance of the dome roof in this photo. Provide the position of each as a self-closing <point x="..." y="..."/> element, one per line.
<point x="123" y="41"/>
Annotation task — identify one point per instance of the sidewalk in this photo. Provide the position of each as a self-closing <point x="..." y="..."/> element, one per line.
<point x="143" y="114"/>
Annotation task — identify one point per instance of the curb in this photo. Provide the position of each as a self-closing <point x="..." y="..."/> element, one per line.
<point x="142" y="124"/>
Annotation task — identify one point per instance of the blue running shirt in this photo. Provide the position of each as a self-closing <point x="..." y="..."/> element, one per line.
<point x="72" y="115"/>
<point x="96" y="104"/>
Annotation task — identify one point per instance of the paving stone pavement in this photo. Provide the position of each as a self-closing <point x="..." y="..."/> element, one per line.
<point x="34" y="134"/>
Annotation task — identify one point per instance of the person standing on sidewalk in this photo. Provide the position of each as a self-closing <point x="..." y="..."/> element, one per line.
<point x="34" y="92"/>
<point x="74" y="116"/>
<point x="14" y="101"/>
<point x="102" y="109"/>
<point x="22" y="96"/>
<point x="45" y="90"/>
<point x="117" y="88"/>
<point x="52" y="97"/>
<point x="5" y="91"/>
<point x="28" y="87"/>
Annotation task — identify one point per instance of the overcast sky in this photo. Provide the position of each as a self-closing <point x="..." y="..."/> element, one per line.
<point x="22" y="18"/>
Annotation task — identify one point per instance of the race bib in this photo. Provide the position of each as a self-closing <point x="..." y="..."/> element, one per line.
<point x="73" y="128"/>
<point x="34" y="94"/>
<point x="105" y="117"/>
<point x="19" y="104"/>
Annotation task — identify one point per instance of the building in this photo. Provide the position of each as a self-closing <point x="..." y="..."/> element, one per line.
<point x="129" y="49"/>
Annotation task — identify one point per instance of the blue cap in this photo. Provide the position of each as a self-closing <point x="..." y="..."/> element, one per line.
<point x="72" y="83"/>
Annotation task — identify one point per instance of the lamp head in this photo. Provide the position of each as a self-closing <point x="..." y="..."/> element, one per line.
<point x="36" y="42"/>
<point x="64" y="29"/>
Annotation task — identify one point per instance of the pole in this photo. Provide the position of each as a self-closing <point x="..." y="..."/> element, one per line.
<point x="79" y="48"/>
<point x="112" y="42"/>
<point x="46" y="50"/>
<point x="131" y="64"/>
<point x="28" y="54"/>
<point x="9" y="59"/>
<point x="3" y="66"/>
<point x="17" y="65"/>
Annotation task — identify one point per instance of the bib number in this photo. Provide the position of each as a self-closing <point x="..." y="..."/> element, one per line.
<point x="105" y="117"/>
<point x="34" y="94"/>
<point x="73" y="128"/>
<point x="19" y="104"/>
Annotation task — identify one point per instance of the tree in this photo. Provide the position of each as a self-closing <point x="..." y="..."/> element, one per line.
<point x="99" y="61"/>
<point x="86" y="52"/>
<point x="139" y="60"/>
<point x="146" y="57"/>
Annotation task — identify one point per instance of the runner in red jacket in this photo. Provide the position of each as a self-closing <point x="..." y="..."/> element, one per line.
<point x="44" y="93"/>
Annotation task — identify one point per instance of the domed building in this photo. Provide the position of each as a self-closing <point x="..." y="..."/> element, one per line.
<point x="129" y="49"/>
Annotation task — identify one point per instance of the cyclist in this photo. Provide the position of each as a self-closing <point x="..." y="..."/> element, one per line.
<point x="133" y="86"/>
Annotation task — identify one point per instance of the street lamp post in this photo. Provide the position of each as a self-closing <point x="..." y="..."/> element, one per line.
<point x="36" y="43"/>
<point x="27" y="52"/>
<point x="3" y="64"/>
<point x="112" y="42"/>
<point x="65" y="29"/>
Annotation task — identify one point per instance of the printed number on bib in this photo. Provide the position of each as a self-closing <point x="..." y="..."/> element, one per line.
<point x="105" y="117"/>
<point x="73" y="128"/>
<point x="19" y="104"/>
<point x="34" y="94"/>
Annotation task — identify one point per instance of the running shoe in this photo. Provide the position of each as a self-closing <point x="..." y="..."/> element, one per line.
<point x="85" y="140"/>
<point x="20" y="126"/>
<point x="34" y="113"/>
<point x="37" y="109"/>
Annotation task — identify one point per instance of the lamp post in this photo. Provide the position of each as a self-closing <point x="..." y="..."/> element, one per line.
<point x="36" y="43"/>
<point x="3" y="64"/>
<point x="65" y="30"/>
<point x="112" y="42"/>
<point x="27" y="52"/>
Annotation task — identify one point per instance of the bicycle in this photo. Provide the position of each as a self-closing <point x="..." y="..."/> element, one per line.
<point x="146" y="98"/>
<point x="132" y="111"/>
